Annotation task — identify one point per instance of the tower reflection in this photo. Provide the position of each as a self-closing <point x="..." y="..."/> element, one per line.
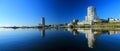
<point x="89" y="33"/>
<point x="42" y="30"/>
<point x="43" y="33"/>
<point x="92" y="34"/>
<point x="90" y="37"/>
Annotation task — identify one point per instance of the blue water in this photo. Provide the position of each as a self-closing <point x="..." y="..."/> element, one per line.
<point x="57" y="40"/>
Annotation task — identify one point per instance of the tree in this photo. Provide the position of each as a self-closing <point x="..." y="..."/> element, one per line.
<point x="75" y="21"/>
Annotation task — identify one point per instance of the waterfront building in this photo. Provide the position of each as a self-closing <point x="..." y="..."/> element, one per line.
<point x="113" y="20"/>
<point x="91" y="16"/>
<point x="91" y="13"/>
<point x="43" y="21"/>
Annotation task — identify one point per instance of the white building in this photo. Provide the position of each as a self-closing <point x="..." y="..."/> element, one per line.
<point x="91" y="16"/>
<point x="113" y="20"/>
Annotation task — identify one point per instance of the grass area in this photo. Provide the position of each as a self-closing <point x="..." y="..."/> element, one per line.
<point x="110" y="23"/>
<point x="108" y="28"/>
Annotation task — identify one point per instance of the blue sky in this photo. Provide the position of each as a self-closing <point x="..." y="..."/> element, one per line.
<point x="29" y="12"/>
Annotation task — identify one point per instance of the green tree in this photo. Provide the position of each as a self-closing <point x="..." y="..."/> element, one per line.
<point x="75" y="21"/>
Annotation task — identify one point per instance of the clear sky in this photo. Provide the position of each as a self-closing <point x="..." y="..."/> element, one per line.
<point x="29" y="12"/>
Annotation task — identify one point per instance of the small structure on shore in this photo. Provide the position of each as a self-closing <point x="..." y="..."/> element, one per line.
<point x="113" y="20"/>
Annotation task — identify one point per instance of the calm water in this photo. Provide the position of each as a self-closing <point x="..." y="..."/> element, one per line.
<point x="59" y="40"/>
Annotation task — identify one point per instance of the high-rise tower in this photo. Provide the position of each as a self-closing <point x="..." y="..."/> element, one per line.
<point x="91" y="14"/>
<point x="43" y="21"/>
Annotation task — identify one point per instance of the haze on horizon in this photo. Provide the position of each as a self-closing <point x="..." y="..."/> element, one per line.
<point x="29" y="12"/>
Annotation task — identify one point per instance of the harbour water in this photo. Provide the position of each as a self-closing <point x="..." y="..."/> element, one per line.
<point x="59" y="40"/>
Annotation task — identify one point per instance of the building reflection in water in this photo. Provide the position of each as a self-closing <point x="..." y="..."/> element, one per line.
<point x="43" y="33"/>
<point x="88" y="33"/>
<point x="92" y="34"/>
<point x="111" y="32"/>
<point x="42" y="30"/>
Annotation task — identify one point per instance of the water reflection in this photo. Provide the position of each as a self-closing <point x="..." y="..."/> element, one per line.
<point x="42" y="30"/>
<point x="92" y="34"/>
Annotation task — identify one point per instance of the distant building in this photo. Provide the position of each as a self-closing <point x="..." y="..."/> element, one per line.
<point x="113" y="20"/>
<point x="43" y="21"/>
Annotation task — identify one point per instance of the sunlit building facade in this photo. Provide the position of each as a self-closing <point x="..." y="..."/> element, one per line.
<point x="91" y="16"/>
